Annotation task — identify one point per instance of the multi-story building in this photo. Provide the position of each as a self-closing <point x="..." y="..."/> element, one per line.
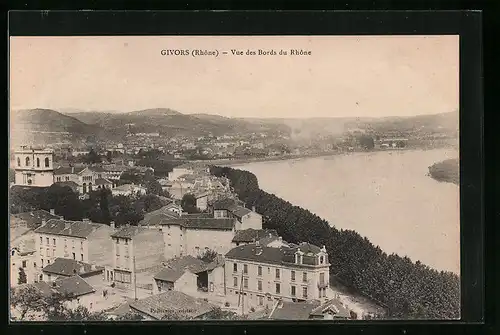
<point x="134" y="249"/>
<point x="267" y="274"/>
<point x="84" y="179"/>
<point x="34" y="167"/>
<point x="245" y="218"/>
<point x="84" y="241"/>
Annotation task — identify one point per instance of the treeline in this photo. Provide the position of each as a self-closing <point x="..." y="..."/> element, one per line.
<point x="100" y="207"/>
<point x="408" y="290"/>
<point x="447" y="171"/>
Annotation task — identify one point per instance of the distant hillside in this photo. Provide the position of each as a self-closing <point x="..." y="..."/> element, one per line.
<point x="45" y="126"/>
<point x="169" y="122"/>
<point x="421" y="124"/>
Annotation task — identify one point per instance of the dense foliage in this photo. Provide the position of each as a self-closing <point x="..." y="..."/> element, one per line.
<point x="100" y="207"/>
<point x="447" y="171"/>
<point x="408" y="290"/>
<point x="188" y="203"/>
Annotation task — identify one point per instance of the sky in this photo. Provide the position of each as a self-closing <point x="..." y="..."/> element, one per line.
<point x="345" y="76"/>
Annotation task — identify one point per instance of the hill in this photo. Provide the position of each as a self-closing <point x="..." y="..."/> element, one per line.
<point x="46" y="126"/>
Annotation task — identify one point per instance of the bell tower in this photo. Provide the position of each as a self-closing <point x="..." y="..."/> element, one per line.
<point x="34" y="167"/>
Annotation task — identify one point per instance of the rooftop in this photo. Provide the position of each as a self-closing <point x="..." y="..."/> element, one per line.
<point x="71" y="267"/>
<point x="73" y="286"/>
<point x="128" y="232"/>
<point x="253" y="235"/>
<point x="175" y="268"/>
<point x="333" y="307"/>
<point x="34" y="219"/>
<point x="293" y="310"/>
<point x="201" y="223"/>
<point x="69" y="228"/>
<point x="176" y="302"/>
<point x="270" y="255"/>
<point x="69" y="170"/>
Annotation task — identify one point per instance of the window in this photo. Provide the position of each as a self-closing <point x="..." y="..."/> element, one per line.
<point x="117" y="241"/>
<point x="292" y="274"/>
<point x="235" y="267"/>
<point x="259" y="271"/>
<point x="304" y="277"/>
<point x="261" y="300"/>
<point x="268" y="270"/>
<point x="47" y="162"/>
<point x="322" y="278"/>
<point x="74" y="256"/>
<point x="53" y="252"/>
<point x="24" y="264"/>
<point x="18" y="161"/>
<point x="48" y="276"/>
<point x="42" y="262"/>
<point x="54" y="241"/>
<point x="41" y="240"/>
<point x="278" y="287"/>
<point x="27" y="161"/>
<point x="259" y="285"/>
<point x="235" y="281"/>
<point x="81" y="256"/>
<point x="38" y="162"/>
<point x="277" y="273"/>
<point x="34" y="264"/>
<point x="321" y="260"/>
<point x="245" y="283"/>
<point x="58" y="178"/>
<point x="126" y="242"/>
<point x="67" y="178"/>
<point x="47" y="252"/>
<point x="304" y="292"/>
<point x="245" y="268"/>
<point x="293" y="291"/>
<point x="47" y="240"/>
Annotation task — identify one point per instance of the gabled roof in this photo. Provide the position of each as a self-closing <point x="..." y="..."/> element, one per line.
<point x="71" y="267"/>
<point x="69" y="170"/>
<point x="334" y="307"/>
<point x="252" y="235"/>
<point x="34" y="219"/>
<point x="293" y="310"/>
<point x="175" y="268"/>
<point x="176" y="302"/>
<point x="69" y="228"/>
<point x="74" y="286"/>
<point x="239" y="211"/>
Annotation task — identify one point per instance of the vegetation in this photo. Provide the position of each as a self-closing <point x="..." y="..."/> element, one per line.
<point x="22" y="277"/>
<point x="188" y="204"/>
<point x="100" y="207"/>
<point x="447" y="171"/>
<point x="407" y="290"/>
<point x="215" y="314"/>
<point x="208" y="256"/>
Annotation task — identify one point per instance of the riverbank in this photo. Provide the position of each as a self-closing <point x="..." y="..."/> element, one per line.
<point x="240" y="161"/>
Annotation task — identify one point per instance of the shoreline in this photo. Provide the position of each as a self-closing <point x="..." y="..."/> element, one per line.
<point x="235" y="162"/>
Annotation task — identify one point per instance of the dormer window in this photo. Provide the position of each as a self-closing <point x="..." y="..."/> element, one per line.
<point x="321" y="259"/>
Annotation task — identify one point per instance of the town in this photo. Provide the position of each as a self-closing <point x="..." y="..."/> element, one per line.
<point x="196" y="252"/>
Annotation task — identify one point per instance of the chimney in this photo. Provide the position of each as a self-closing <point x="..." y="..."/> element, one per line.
<point x="280" y="239"/>
<point x="323" y="249"/>
<point x="253" y="208"/>
<point x="112" y="224"/>
<point x="72" y="169"/>
<point x="44" y="222"/>
<point x="52" y="211"/>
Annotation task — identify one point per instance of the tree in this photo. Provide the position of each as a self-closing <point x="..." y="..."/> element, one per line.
<point x="92" y="157"/>
<point x="104" y="205"/>
<point x="28" y="301"/>
<point x="153" y="187"/>
<point x="130" y="316"/>
<point x="188" y="203"/>
<point x="22" y="279"/>
<point x="366" y="142"/>
<point x="208" y="256"/>
<point x="12" y="176"/>
<point x="109" y="156"/>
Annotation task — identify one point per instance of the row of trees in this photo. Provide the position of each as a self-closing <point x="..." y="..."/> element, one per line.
<point x="408" y="290"/>
<point x="100" y="207"/>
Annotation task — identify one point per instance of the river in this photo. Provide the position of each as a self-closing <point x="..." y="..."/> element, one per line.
<point x="385" y="196"/>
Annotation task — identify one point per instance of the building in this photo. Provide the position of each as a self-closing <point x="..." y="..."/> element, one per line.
<point x="201" y="200"/>
<point x="332" y="310"/>
<point x="171" y="304"/>
<point x="247" y="236"/>
<point x="128" y="190"/>
<point x="84" y="241"/>
<point x="65" y="267"/>
<point x="189" y="274"/>
<point x="135" y="249"/>
<point x="32" y="219"/>
<point x="287" y="310"/>
<point x="113" y="172"/>
<point x="193" y="234"/>
<point x="178" y="172"/>
<point x="86" y="179"/>
<point x="34" y="167"/>
<point x="245" y="218"/>
<point x="267" y="274"/>
<point x="23" y="268"/>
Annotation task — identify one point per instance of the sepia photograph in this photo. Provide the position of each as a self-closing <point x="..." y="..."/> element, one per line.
<point x="160" y="178"/>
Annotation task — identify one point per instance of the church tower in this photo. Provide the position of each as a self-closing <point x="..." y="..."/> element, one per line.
<point x="34" y="167"/>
